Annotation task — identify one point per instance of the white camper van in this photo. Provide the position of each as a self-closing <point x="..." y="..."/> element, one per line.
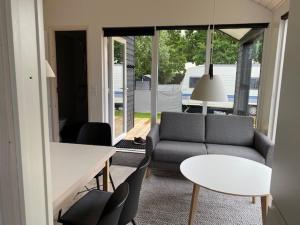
<point x="228" y="74"/>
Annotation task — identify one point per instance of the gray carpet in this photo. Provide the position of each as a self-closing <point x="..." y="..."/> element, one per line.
<point x="166" y="201"/>
<point x="127" y="159"/>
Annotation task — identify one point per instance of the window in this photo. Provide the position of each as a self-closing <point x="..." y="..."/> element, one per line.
<point x="254" y="83"/>
<point x="246" y="97"/>
<point x="181" y="64"/>
<point x="182" y="58"/>
<point x="193" y="82"/>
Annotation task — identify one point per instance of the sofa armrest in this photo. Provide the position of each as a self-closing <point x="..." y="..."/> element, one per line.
<point x="265" y="146"/>
<point x="152" y="139"/>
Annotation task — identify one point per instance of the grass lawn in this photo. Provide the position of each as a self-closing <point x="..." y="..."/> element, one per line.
<point x="144" y="115"/>
<point x="137" y="114"/>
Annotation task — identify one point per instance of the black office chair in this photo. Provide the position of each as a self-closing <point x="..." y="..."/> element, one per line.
<point x="96" y="134"/>
<point x="135" y="181"/>
<point x="97" y="208"/>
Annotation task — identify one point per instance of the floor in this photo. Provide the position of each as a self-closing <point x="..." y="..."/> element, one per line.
<point x="160" y="192"/>
<point x="141" y="128"/>
<point x="119" y="127"/>
<point x="166" y="201"/>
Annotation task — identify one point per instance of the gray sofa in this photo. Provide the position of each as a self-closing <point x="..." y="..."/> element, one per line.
<point x="183" y="135"/>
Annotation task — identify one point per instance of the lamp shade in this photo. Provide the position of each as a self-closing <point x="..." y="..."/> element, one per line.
<point x="210" y="90"/>
<point x="49" y="71"/>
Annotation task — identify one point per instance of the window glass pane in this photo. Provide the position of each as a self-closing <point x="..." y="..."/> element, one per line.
<point x="142" y="60"/>
<point x="119" y="74"/>
<point x="257" y="49"/>
<point x="225" y="57"/>
<point x="181" y="64"/>
<point x="193" y="82"/>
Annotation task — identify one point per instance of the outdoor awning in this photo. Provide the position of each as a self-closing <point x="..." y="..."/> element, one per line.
<point x="236" y="33"/>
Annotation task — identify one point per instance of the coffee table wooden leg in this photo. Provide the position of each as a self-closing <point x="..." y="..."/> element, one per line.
<point x="264" y="208"/>
<point x="194" y="203"/>
<point x="253" y="200"/>
<point x="106" y="176"/>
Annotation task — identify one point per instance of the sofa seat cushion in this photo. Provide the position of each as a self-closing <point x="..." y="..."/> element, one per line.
<point x="232" y="150"/>
<point x="229" y="130"/>
<point x="176" y="126"/>
<point x="177" y="151"/>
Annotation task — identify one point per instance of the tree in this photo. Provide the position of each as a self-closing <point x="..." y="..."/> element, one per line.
<point x="177" y="47"/>
<point x="195" y="49"/>
<point x="225" y="49"/>
<point x="172" y="56"/>
<point x="257" y="50"/>
<point x="142" y="56"/>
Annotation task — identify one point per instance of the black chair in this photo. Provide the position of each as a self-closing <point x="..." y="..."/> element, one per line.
<point x="97" y="208"/>
<point x="135" y="182"/>
<point x="96" y="134"/>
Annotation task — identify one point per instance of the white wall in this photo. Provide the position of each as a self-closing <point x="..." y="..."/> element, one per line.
<point x="149" y="13"/>
<point x="95" y="14"/>
<point x="285" y="180"/>
<point x="268" y="69"/>
<point x="24" y="137"/>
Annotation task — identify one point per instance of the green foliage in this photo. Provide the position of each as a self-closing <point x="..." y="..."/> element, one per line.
<point x="143" y="56"/>
<point x="178" y="47"/>
<point x="257" y="50"/>
<point x="172" y="57"/>
<point x="225" y="49"/>
<point x="195" y="46"/>
<point x="118" y="52"/>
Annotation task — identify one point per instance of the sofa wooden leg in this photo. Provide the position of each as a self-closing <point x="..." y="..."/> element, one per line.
<point x="149" y="172"/>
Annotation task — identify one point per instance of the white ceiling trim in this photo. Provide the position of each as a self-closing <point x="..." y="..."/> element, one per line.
<point x="270" y="4"/>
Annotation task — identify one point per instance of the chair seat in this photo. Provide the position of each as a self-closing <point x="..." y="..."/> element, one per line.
<point x="239" y="151"/>
<point x="87" y="210"/>
<point x="177" y="151"/>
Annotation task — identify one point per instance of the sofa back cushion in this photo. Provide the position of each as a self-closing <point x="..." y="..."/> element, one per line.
<point x="188" y="127"/>
<point x="229" y="130"/>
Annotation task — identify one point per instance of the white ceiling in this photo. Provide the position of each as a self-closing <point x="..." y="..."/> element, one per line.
<point x="270" y="4"/>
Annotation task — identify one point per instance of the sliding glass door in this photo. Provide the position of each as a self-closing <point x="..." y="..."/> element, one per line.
<point x="117" y="87"/>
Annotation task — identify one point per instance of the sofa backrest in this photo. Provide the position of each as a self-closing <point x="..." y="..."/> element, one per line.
<point x="230" y="130"/>
<point x="188" y="127"/>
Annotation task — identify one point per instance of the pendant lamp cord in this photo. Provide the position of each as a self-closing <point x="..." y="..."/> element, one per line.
<point x="213" y="32"/>
<point x="212" y="41"/>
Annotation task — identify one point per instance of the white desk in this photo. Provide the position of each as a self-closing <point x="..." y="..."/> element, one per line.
<point x="229" y="175"/>
<point x="74" y="165"/>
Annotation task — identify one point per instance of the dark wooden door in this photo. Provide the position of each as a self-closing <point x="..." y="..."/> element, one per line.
<point x="71" y="61"/>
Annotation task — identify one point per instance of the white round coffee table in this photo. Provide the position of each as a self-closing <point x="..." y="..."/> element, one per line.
<point x="228" y="175"/>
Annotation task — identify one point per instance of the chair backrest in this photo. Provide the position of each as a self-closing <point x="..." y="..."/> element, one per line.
<point x="93" y="133"/>
<point x="135" y="182"/>
<point x="114" y="206"/>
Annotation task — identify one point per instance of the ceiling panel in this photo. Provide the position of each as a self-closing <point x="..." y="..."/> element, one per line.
<point x="271" y="4"/>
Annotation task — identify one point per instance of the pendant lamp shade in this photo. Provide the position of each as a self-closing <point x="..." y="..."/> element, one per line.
<point x="210" y="90"/>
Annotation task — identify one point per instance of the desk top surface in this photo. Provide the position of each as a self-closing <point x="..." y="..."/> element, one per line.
<point x="72" y="165"/>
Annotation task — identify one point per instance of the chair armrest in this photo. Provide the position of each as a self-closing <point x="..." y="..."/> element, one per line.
<point x="265" y="146"/>
<point x="152" y="139"/>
